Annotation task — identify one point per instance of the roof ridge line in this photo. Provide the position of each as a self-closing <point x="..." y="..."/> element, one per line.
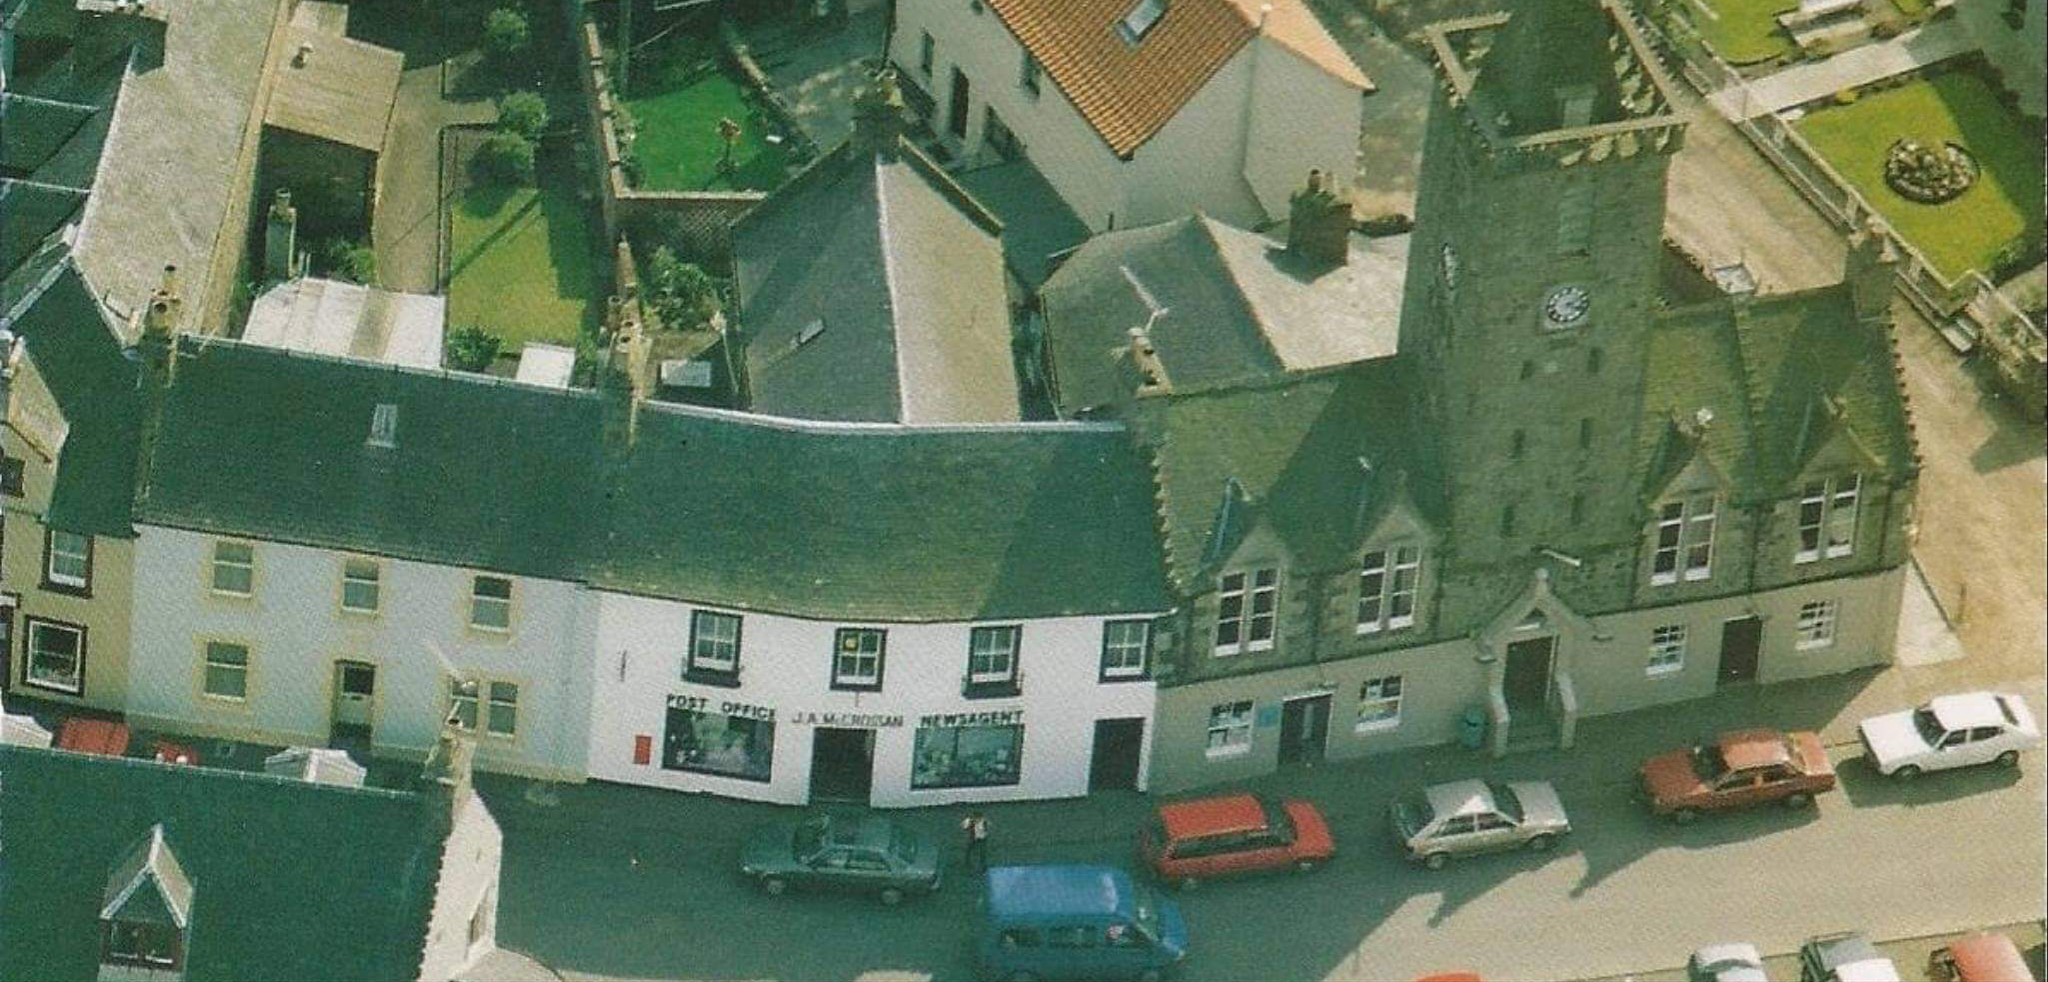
<point x="801" y="425"/>
<point x="205" y="341"/>
<point x="887" y="249"/>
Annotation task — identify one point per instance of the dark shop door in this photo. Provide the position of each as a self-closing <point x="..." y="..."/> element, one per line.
<point x="1114" y="763"/>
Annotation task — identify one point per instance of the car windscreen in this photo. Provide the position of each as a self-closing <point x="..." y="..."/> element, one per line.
<point x="902" y="846"/>
<point x="1505" y="800"/>
<point x="1927" y="726"/>
<point x="1278" y="822"/>
<point x="808" y="838"/>
<point x="1707" y="762"/>
<point x="1413" y="811"/>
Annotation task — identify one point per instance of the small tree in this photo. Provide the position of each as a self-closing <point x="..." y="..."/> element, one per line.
<point x="346" y="260"/>
<point x="506" y="34"/>
<point x="506" y="158"/>
<point x="524" y="113"/>
<point x="472" y="349"/>
<point x="684" y="295"/>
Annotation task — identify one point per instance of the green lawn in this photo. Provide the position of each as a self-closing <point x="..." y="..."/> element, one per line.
<point x="1742" y="31"/>
<point x="521" y="263"/>
<point x="677" y="102"/>
<point x="1958" y="107"/>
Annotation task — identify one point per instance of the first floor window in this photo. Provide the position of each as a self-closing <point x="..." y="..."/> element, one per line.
<point x="1125" y="645"/>
<point x="715" y="743"/>
<point x="1684" y="538"/>
<point x="1386" y="589"/>
<point x="1842" y="516"/>
<point x="69" y="559"/>
<point x="227" y="670"/>
<point x="714" y="642"/>
<point x="1816" y="624"/>
<point x="1827" y="518"/>
<point x="1667" y="649"/>
<point x="1230" y="728"/>
<point x="141" y="943"/>
<point x="359" y="582"/>
<point x="462" y="699"/>
<point x="1379" y="703"/>
<point x="992" y="655"/>
<point x="490" y="603"/>
<point x="12" y="470"/>
<point x="234" y="568"/>
<point x="1670" y="529"/>
<point x="503" y="716"/>
<point x="1247" y="606"/>
<point x="967" y="756"/>
<point x="857" y="658"/>
<point x="56" y="656"/>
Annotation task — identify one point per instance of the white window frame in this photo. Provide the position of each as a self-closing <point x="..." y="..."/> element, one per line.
<point x="479" y="602"/>
<point x="1702" y="512"/>
<point x="1667" y="543"/>
<point x="1379" y="704"/>
<point x="217" y="564"/>
<point x="57" y="550"/>
<point x="500" y="694"/>
<point x="713" y="650"/>
<point x="1822" y="505"/>
<point x="1388" y="578"/>
<point x="1230" y="728"/>
<point x="988" y="644"/>
<point x="207" y="664"/>
<point x="1682" y="542"/>
<point x="1816" y="624"/>
<point x="31" y="631"/>
<point x="465" y="693"/>
<point x="855" y="658"/>
<point x="1245" y="590"/>
<point x="1116" y="650"/>
<point x="1667" y="649"/>
<point x="374" y="583"/>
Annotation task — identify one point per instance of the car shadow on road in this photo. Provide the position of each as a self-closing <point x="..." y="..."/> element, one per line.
<point x="1866" y="788"/>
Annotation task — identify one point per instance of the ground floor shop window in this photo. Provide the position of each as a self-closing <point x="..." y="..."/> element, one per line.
<point x="1230" y="728"/>
<point x="714" y="743"/>
<point x="967" y="756"/>
<point x="1379" y="703"/>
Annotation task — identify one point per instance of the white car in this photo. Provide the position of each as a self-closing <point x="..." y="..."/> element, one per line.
<point x="1950" y="731"/>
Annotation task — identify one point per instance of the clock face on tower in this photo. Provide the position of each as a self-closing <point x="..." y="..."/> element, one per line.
<point x="1566" y="305"/>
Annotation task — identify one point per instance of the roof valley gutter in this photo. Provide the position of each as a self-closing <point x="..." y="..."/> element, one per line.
<point x="889" y="283"/>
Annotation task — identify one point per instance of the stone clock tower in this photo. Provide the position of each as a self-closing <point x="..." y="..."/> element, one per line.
<point x="1533" y="273"/>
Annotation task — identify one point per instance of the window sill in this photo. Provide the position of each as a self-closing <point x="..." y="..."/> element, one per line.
<point x="1699" y="576"/>
<point x="1813" y="645"/>
<point x="69" y="590"/>
<point x="490" y="632"/>
<point x="236" y="701"/>
<point x="219" y="594"/>
<point x="1661" y="671"/>
<point x="1662" y="579"/>
<point x="1378" y="726"/>
<point x="838" y="686"/>
<point x="77" y="691"/>
<point x="991" y="690"/>
<point x="357" y="612"/>
<point x="1231" y="652"/>
<point x="722" y="678"/>
<point x="1805" y="557"/>
<point x="1222" y="753"/>
<point x="1108" y="677"/>
<point x="1838" y="553"/>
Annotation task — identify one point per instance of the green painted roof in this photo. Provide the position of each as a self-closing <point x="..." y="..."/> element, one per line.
<point x="275" y="444"/>
<point x="289" y="880"/>
<point x="882" y="522"/>
<point x="1289" y="455"/>
<point x="79" y="359"/>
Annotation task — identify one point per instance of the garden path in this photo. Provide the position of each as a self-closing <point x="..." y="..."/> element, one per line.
<point x="406" y="231"/>
<point x="1859" y="66"/>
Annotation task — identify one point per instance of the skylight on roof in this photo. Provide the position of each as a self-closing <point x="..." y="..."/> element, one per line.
<point x="1140" y="20"/>
<point x="384" y="425"/>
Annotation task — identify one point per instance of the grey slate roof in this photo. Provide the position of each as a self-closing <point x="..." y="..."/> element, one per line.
<point x="1238" y="307"/>
<point x="272" y="443"/>
<point x="1037" y="222"/>
<point x="288" y="880"/>
<point x="343" y="91"/>
<point x="883" y="522"/>
<point x="871" y="287"/>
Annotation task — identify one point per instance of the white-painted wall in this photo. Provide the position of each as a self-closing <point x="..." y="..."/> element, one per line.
<point x="1301" y="118"/>
<point x="1196" y="161"/>
<point x="296" y="631"/>
<point x="785" y="665"/>
<point x="466" y="891"/>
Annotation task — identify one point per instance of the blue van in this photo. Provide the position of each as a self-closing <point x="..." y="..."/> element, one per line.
<point x="1076" y="922"/>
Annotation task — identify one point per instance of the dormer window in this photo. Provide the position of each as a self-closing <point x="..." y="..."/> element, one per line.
<point x="145" y="913"/>
<point x="1827" y="518"/>
<point x="1387" y="582"/>
<point x="1247" y="608"/>
<point x="1140" y="21"/>
<point x="1684" y="540"/>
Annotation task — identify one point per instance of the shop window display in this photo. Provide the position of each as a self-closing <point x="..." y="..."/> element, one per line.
<point x="967" y="757"/>
<point x="714" y="743"/>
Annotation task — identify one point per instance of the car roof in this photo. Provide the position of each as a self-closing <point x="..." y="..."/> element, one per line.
<point x="1988" y="956"/>
<point x="1967" y="710"/>
<point x="1454" y="798"/>
<point x="1212" y="816"/>
<point x="1845" y="948"/>
<point x="1058" y="890"/>
<point x="1744" y="749"/>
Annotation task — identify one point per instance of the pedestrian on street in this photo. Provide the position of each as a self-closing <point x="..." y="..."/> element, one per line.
<point x="976" y="827"/>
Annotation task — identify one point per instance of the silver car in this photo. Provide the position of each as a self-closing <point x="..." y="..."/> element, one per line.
<point x="1466" y="817"/>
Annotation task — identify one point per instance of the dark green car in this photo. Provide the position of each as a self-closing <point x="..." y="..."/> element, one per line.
<point x="865" y="854"/>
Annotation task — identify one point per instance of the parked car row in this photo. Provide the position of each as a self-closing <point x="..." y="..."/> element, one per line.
<point x="1848" y="956"/>
<point x="1059" y="921"/>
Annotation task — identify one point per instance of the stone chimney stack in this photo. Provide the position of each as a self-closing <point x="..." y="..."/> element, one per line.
<point x="281" y="239"/>
<point x="1150" y="372"/>
<point x="450" y="764"/>
<point x="1319" y="222"/>
<point x="878" y="115"/>
<point x="160" y="318"/>
<point x="1871" y="270"/>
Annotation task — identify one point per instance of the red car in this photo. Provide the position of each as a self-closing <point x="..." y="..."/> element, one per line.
<point x="1191" y="841"/>
<point x="1739" y="769"/>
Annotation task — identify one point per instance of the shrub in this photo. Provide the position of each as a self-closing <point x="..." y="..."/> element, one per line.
<point x="524" y="113"/>
<point x="506" y="33"/>
<point x="472" y="349"/>
<point x="346" y="260"/>
<point x="1844" y="97"/>
<point x="505" y="158"/>
<point x="2023" y="253"/>
<point x="684" y="295"/>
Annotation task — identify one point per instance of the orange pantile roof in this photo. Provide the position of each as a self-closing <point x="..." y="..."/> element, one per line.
<point x="1128" y="92"/>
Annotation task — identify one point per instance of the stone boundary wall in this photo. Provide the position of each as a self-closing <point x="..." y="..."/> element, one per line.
<point x="1971" y="302"/>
